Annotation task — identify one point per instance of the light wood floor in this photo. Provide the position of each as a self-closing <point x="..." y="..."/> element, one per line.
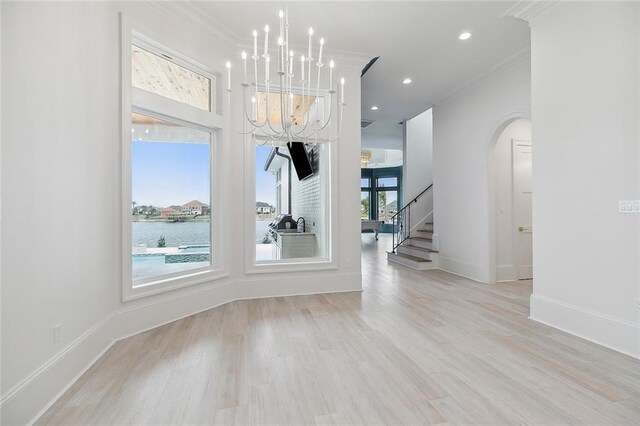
<point x="413" y="348"/>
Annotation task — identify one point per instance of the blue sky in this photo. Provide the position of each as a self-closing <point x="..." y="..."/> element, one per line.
<point x="265" y="181"/>
<point x="165" y="173"/>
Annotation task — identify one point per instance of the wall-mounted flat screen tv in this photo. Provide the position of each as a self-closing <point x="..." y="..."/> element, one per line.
<point x="300" y="159"/>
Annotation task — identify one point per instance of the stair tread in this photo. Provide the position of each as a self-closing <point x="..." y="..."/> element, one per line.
<point x="408" y="256"/>
<point x="412" y="247"/>
<point x="430" y="231"/>
<point x="421" y="239"/>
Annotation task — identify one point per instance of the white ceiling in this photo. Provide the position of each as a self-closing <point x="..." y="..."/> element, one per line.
<point x="418" y="40"/>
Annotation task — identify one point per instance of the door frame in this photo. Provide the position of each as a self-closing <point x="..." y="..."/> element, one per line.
<point x="514" y="211"/>
<point x="490" y="191"/>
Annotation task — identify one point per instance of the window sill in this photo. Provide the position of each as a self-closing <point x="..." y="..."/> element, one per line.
<point x="172" y="283"/>
<point x="291" y="266"/>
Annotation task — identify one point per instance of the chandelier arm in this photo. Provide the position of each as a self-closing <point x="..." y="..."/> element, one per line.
<point x="329" y="115"/>
<point x="318" y="90"/>
<point x="266" y="112"/>
<point x="315" y="132"/>
<point x="339" y="126"/>
<point x="233" y="129"/>
<point x="306" y="97"/>
<point x="282" y="103"/>
<point x="255" y="124"/>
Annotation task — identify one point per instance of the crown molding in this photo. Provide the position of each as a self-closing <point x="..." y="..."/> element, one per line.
<point x="520" y="54"/>
<point x="530" y="10"/>
<point x="192" y="12"/>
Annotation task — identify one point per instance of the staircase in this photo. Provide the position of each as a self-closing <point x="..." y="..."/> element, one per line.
<point x="412" y="248"/>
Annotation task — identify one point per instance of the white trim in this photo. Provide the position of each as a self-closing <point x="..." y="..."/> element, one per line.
<point x="26" y="402"/>
<point x="463" y="269"/>
<point x="490" y="200"/>
<point x="192" y="12"/>
<point x="141" y="101"/>
<point x="530" y="11"/>
<point x="506" y="273"/>
<point x="515" y="238"/>
<point x="329" y="190"/>
<point x="610" y="332"/>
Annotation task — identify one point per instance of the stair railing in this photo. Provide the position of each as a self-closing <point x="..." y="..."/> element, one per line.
<point x="401" y="222"/>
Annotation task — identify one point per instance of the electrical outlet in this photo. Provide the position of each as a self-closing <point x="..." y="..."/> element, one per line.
<point x="629" y="206"/>
<point x="57" y="333"/>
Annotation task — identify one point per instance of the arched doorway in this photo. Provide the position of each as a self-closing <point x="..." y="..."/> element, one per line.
<point x="510" y="208"/>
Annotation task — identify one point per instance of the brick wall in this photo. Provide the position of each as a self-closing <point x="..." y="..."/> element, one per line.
<point x="307" y="201"/>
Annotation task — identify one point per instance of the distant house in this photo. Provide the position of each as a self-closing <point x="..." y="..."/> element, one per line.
<point x="171" y="211"/>
<point x="265" y="209"/>
<point x="195" y="207"/>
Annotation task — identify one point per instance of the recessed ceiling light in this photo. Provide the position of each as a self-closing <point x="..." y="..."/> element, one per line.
<point x="464" y="36"/>
<point x="406" y="81"/>
<point x="374" y="108"/>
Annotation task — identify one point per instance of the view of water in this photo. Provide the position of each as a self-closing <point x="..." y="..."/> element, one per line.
<point x="180" y="233"/>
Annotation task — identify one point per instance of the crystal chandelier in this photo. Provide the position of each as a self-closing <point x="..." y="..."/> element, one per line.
<point x="290" y="107"/>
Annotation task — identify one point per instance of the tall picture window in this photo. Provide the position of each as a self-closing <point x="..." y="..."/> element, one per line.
<point x="171" y="198"/>
<point x="170" y="236"/>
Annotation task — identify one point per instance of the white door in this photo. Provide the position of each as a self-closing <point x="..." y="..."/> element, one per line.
<point x="522" y="203"/>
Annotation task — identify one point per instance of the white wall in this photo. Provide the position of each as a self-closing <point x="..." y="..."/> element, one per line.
<point x="61" y="83"/>
<point x="585" y="78"/>
<point x="465" y="127"/>
<point x="417" y="173"/>
<point x="502" y="167"/>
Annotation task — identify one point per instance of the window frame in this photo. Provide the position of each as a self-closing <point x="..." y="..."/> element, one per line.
<point x="373" y="174"/>
<point x="135" y="100"/>
<point x="330" y="261"/>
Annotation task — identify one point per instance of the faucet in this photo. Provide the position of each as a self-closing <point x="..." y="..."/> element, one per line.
<point x="301" y="226"/>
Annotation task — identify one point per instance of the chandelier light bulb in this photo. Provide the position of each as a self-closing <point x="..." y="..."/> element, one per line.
<point x="244" y="54"/>
<point x="228" y="65"/>
<point x="331" y="66"/>
<point x="321" y="48"/>
<point x="281" y="14"/>
<point x="310" y="31"/>
<point x="266" y="28"/>
<point x="279" y="41"/>
<point x="255" y="43"/>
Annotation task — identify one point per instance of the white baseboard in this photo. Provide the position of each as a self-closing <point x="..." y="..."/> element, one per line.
<point x="26" y="402"/>
<point x="506" y="273"/>
<point x="613" y="333"/>
<point x="464" y="269"/>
